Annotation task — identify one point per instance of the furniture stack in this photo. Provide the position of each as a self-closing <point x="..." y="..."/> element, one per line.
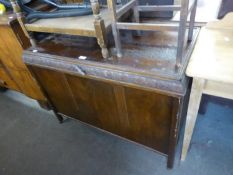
<point x="134" y="87"/>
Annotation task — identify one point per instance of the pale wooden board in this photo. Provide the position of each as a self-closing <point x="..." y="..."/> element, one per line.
<point x="215" y="88"/>
<point x="81" y="25"/>
<point x="212" y="57"/>
<point x="226" y="23"/>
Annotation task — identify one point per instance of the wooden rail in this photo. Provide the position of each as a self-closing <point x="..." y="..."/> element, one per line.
<point x="147" y="26"/>
<point x="159" y="8"/>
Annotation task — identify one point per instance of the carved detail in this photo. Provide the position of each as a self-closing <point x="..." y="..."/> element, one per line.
<point x="43" y="60"/>
<point x="96" y="9"/>
<point x="99" y="28"/>
<point x="101" y="37"/>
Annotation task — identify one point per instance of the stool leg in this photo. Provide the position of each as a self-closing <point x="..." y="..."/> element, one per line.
<point x="99" y="28"/>
<point x="115" y="31"/>
<point x="194" y="102"/>
<point x="136" y="17"/>
<point x="192" y="21"/>
<point x="182" y="31"/>
<point x="117" y="40"/>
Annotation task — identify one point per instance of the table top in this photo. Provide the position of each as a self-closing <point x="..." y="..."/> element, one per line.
<point x="212" y="57"/>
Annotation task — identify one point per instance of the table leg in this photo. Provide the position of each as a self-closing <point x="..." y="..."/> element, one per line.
<point x="194" y="102"/>
<point x="204" y="104"/>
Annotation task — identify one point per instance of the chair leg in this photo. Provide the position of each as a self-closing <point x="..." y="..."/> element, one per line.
<point x="115" y="31"/>
<point x="192" y="21"/>
<point x="182" y="32"/>
<point x="99" y="28"/>
<point x="32" y="40"/>
<point x="101" y="37"/>
<point x="117" y="40"/>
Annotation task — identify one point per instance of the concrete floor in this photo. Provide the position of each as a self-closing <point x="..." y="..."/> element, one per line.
<point x="32" y="142"/>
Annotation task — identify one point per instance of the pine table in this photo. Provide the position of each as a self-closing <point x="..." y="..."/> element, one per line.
<point x="211" y="67"/>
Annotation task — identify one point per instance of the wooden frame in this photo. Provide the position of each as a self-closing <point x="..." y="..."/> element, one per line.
<point x="202" y="86"/>
<point x="97" y="29"/>
<point x="185" y="9"/>
<point x="210" y="76"/>
<point x="122" y="81"/>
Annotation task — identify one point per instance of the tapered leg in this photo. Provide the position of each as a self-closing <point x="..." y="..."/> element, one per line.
<point x="136" y="17"/>
<point x="194" y="102"/>
<point x="115" y="31"/>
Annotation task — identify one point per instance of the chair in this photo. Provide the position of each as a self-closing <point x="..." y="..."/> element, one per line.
<point x="185" y="9"/>
<point x="95" y="25"/>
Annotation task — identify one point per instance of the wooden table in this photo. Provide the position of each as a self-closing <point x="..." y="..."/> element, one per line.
<point x="211" y="66"/>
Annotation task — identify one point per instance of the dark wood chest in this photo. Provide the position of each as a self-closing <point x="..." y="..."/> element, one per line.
<point x="126" y="98"/>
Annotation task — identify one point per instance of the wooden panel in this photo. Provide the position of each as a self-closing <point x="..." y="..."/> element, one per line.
<point x="139" y="115"/>
<point x="6" y="80"/>
<point x="27" y="84"/>
<point x="20" y="36"/>
<point x="14" y="40"/>
<point x="1" y="64"/>
<point x="149" y="116"/>
<point x="95" y="101"/>
<point x="11" y="50"/>
<point x="57" y="89"/>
